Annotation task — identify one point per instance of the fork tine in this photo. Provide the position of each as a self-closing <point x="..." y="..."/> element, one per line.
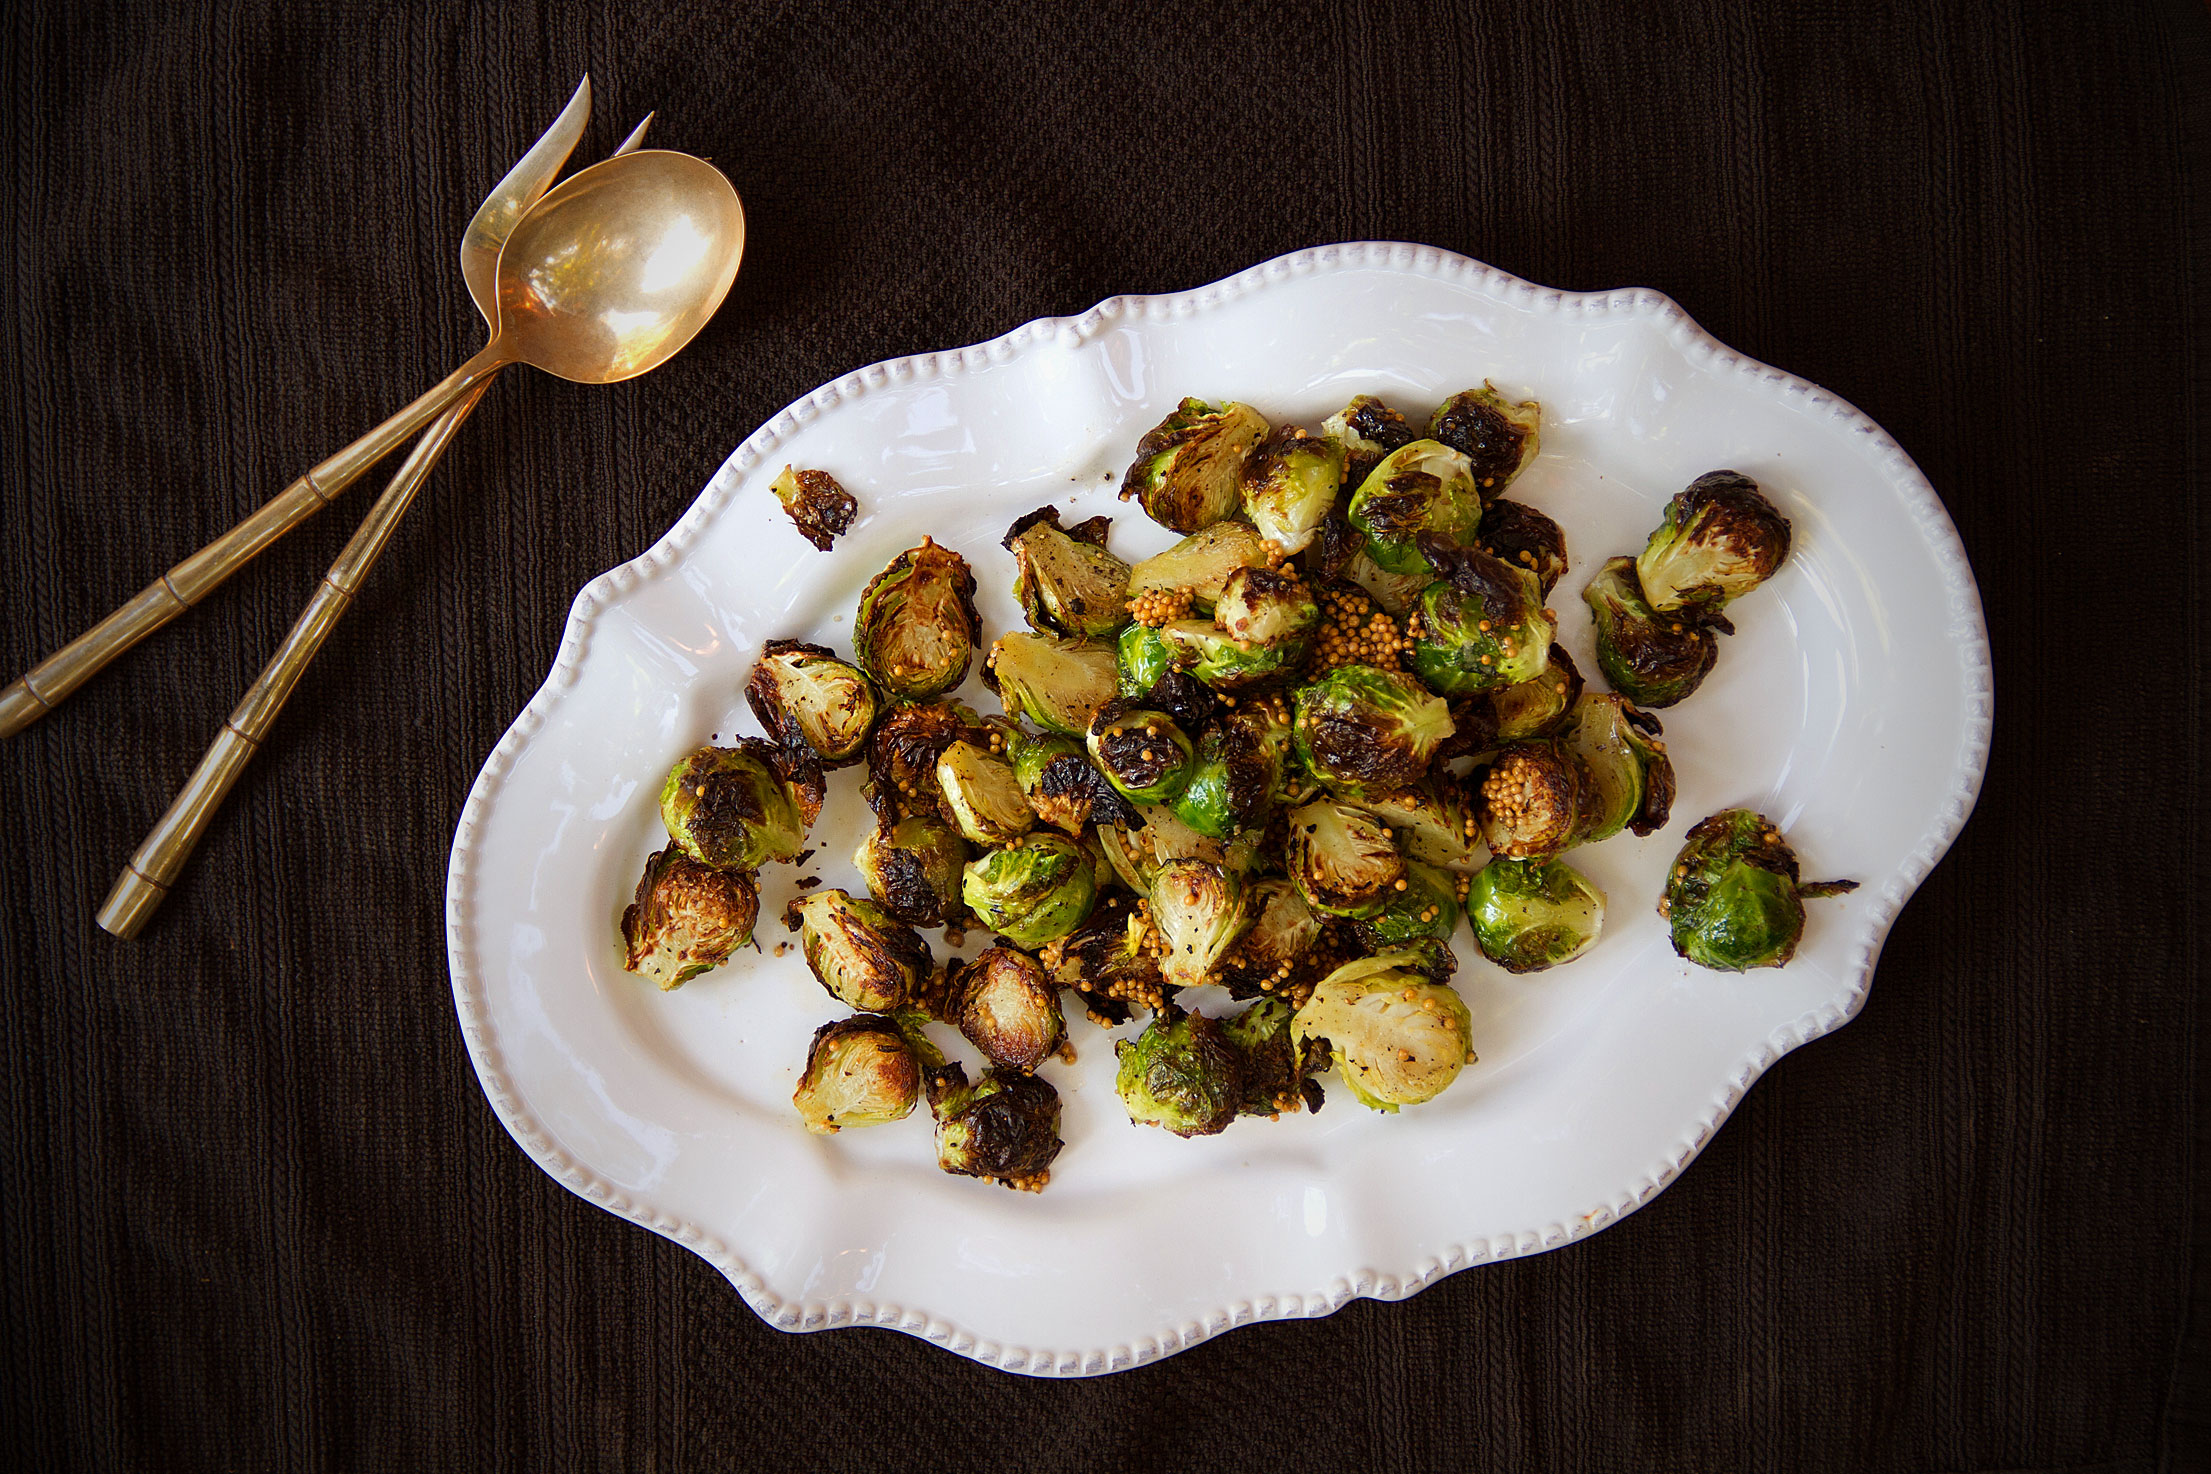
<point x="637" y="136"/>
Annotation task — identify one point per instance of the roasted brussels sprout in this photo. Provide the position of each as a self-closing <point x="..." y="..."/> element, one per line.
<point x="1433" y="821"/>
<point x="728" y="807"/>
<point x="866" y="958"/>
<point x="860" y="1071"/>
<point x="1065" y="791"/>
<point x="1424" y="489"/>
<point x="1039" y="887"/>
<point x="1004" y="1005"/>
<point x="1181" y="1073"/>
<point x="1270" y="608"/>
<point x="917" y="629"/>
<point x="1200" y="911"/>
<point x="1634" y="777"/>
<point x="1497" y="436"/>
<point x="913" y="868"/>
<point x="1537" y="798"/>
<point x="687" y="918"/>
<point x="1428" y="906"/>
<point x="1394" y="593"/>
<point x="1188" y="469"/>
<point x="1397" y="1038"/>
<point x="1521" y="536"/>
<point x="1275" y="1079"/>
<point x="1238" y="776"/>
<point x="1055" y="682"/>
<point x="1209" y="654"/>
<point x="1199" y="565"/>
<point x="1369" y="730"/>
<point x="1114" y="956"/>
<point x="1652" y="659"/>
<point x="981" y="795"/>
<point x="1282" y="937"/>
<point x="1142" y="753"/>
<point x="902" y="756"/>
<point x="1531" y="914"/>
<point x="1065" y="580"/>
<point x="818" y="507"/>
<point x="1343" y="860"/>
<point x="1141" y="658"/>
<point x="1538" y="707"/>
<point x="1733" y="901"/>
<point x="1290" y="485"/>
<point x="1368" y="430"/>
<point x="1004" y="1128"/>
<point x="1482" y="623"/>
<point x="1721" y="539"/>
<point x="807" y="698"/>
<point x="1136" y="853"/>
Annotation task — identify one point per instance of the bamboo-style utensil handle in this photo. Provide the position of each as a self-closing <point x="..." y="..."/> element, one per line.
<point x="154" y="869"/>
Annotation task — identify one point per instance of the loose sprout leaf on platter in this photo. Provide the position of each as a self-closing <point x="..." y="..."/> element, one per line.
<point x="819" y="508"/>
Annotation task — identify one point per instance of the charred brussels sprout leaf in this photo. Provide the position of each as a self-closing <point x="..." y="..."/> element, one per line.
<point x="1523" y="537"/>
<point x="1531" y="914"/>
<point x="1428" y="906"/>
<point x="1273" y="1063"/>
<point x="1004" y="1005"/>
<point x="1182" y="1074"/>
<point x="1199" y="565"/>
<point x="1187" y="470"/>
<point x="860" y="953"/>
<point x="807" y="698"/>
<point x="1141" y="659"/>
<point x="1369" y="730"/>
<point x="1142" y="753"/>
<point x="1368" y="430"/>
<point x="1634" y="777"/>
<point x="1652" y="659"/>
<point x="1283" y="933"/>
<point x="1538" y="707"/>
<point x="730" y="808"/>
<point x="1290" y="486"/>
<point x="1238" y="777"/>
<point x="1432" y="819"/>
<point x="1537" y="798"/>
<point x="1004" y="1128"/>
<point x="982" y="796"/>
<point x="1733" y="901"/>
<point x="859" y="1072"/>
<point x="902" y="756"/>
<point x="819" y="508"/>
<point x="1721" y="539"/>
<point x="1397" y="1038"/>
<point x="913" y="869"/>
<point x="1497" y="437"/>
<point x="1039" y="887"/>
<point x="1342" y="860"/>
<point x="1066" y="581"/>
<point x="687" y="918"/>
<point x="1423" y="489"/>
<point x="1055" y="774"/>
<point x="1269" y="609"/>
<point x="1482" y="623"/>
<point x="917" y="629"/>
<point x="1111" y="956"/>
<point x="1200" y="910"/>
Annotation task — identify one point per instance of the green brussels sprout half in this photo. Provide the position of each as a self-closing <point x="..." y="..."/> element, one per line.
<point x="1004" y="1005"/>
<point x="1200" y="911"/>
<point x="1112" y="958"/>
<point x="1733" y="901"/>
<point x="860" y="1071"/>
<point x="687" y="918"/>
<point x="807" y="698"/>
<point x="1275" y="1080"/>
<point x="1482" y="624"/>
<point x="1141" y="658"/>
<point x="818" y="507"/>
<point x="1342" y="860"/>
<point x="1039" y="887"/>
<point x="1397" y="1038"/>
<point x="1497" y="437"/>
<point x="1065" y="791"/>
<point x="1721" y="539"/>
<point x="1056" y="682"/>
<point x="1539" y="707"/>
<point x="1187" y="469"/>
<point x="1368" y="430"/>
<point x="1523" y="537"/>
<point x="1271" y="955"/>
<point x="1652" y="659"/>
<point x="1627" y="759"/>
<point x="1181" y="1073"/>
<point x="1200" y="564"/>
<point x="1238" y="777"/>
<point x="1065" y="580"/>
<point x="1394" y="593"/>
<point x="917" y="629"/>
<point x="863" y="956"/>
<point x="1537" y="798"/>
<point x="982" y="796"/>
<point x="1428" y="906"/>
<point x="1223" y="662"/>
<point x="730" y="808"/>
<point x="1270" y="608"/>
<point x="1421" y="490"/>
<point x="1290" y="485"/>
<point x="1432" y="819"/>
<point x="1142" y="753"/>
<point x="1004" y="1128"/>
<point x="1531" y="914"/>
<point x="1136" y="853"/>
<point x="913" y="868"/>
<point x="1369" y="730"/>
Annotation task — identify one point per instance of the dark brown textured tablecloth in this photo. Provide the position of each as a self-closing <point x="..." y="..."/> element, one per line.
<point x="254" y="1210"/>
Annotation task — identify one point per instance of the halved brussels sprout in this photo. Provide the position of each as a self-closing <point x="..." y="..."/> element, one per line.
<point x="860" y="1071"/>
<point x="1208" y="653"/>
<point x="1721" y="539"/>
<point x="730" y="808"/>
<point x="1273" y="1063"/>
<point x="1524" y="538"/>
<point x="1369" y="730"/>
<point x="1427" y="907"/>
<point x="1395" y="593"/>
<point x="1238" y="777"/>
<point x="1270" y="608"/>
<point x="1065" y="580"/>
<point x="1497" y="436"/>
<point x="1538" y="707"/>
<point x="1056" y="682"/>
<point x="1004" y="1005"/>
<point x="1652" y="659"/>
<point x="1634" y="777"/>
<point x="1422" y="489"/>
<point x="917" y="629"/>
<point x="1733" y="901"/>
<point x="1282" y="937"/>
<point x="913" y="868"/>
<point x="1065" y="791"/>
<point x="805" y="696"/>
<point x="865" y="957"/>
<point x="1482" y="623"/>
<point x="1200" y="564"/>
<point x="1004" y="1128"/>
<point x="1434" y="822"/>
<point x="982" y="796"/>
<point x="1538" y="798"/>
<point x="902" y="756"/>
<point x="1141" y="659"/>
<point x="1039" y="887"/>
<point x="1142" y="753"/>
<point x="1290" y="485"/>
<point x="1343" y="860"/>
<point x="687" y="918"/>
<point x="1114" y="956"/>
<point x="818" y="507"/>
<point x="1135" y="854"/>
<point x="1187" y="469"/>
<point x="1181" y="1073"/>
<point x="1368" y="430"/>
<point x="1200" y="911"/>
<point x="1531" y="914"/>
<point x="1397" y="1038"/>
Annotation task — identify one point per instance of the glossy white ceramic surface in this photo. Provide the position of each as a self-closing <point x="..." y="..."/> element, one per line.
<point x="1853" y="707"/>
